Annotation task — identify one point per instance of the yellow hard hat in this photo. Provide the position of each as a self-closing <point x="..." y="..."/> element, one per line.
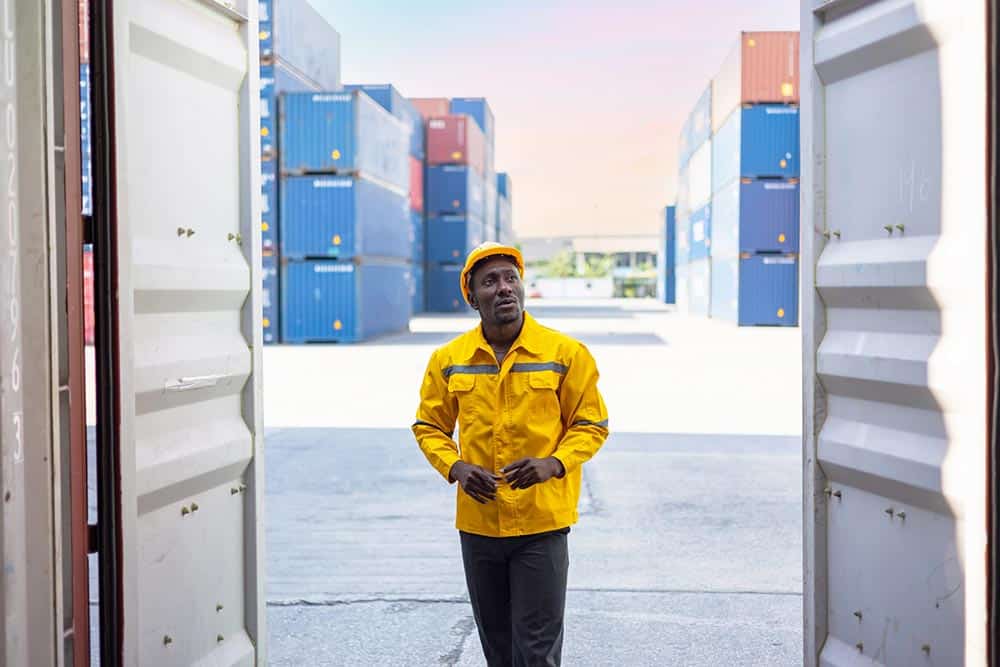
<point x="481" y="252"/>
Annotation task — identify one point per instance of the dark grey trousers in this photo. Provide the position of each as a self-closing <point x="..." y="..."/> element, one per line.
<point x="517" y="586"/>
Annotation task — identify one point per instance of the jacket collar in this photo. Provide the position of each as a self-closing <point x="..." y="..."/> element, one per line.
<point x="530" y="340"/>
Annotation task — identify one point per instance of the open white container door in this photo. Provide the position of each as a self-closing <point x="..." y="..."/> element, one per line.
<point x="894" y="248"/>
<point x="188" y="181"/>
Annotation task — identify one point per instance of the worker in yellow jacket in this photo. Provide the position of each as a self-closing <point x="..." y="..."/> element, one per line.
<point x="529" y="416"/>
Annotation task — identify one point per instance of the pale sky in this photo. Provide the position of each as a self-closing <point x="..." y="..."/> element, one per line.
<point x="589" y="97"/>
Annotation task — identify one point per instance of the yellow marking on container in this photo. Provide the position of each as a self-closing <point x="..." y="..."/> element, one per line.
<point x="456" y="203"/>
<point x="787" y="90"/>
<point x="783" y="164"/>
<point x="781" y="313"/>
<point x="457" y="155"/>
<point x="781" y="238"/>
<point x="263" y="35"/>
<point x="336" y="239"/>
<point x="335" y="154"/>
<point x="751" y="42"/>
<point x="267" y="323"/>
<point x="264" y="131"/>
<point x="338" y="325"/>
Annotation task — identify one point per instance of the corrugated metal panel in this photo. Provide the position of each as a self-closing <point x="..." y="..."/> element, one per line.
<point x="759" y="142"/>
<point x="455" y="140"/>
<point x="430" y="107"/>
<point x="697" y="129"/>
<point x="344" y="302"/>
<point x="416" y="184"/>
<point x="682" y="250"/>
<point x="490" y="218"/>
<point x="479" y="109"/>
<point x="269" y="207"/>
<point x="450" y="238"/>
<point x="454" y="189"/>
<point x="189" y="333"/>
<point x="683" y="193"/>
<point x="895" y="333"/>
<point x="444" y="292"/>
<point x="762" y="68"/>
<point x="344" y="133"/>
<point x="700" y="230"/>
<point x="418" y="236"/>
<point x="295" y="32"/>
<point x="755" y="216"/>
<point x="699" y="287"/>
<point x="699" y="177"/>
<point x="342" y="217"/>
<point x="270" y="298"/>
<point x="276" y="79"/>
<point x="389" y="99"/>
<point x="417" y="288"/>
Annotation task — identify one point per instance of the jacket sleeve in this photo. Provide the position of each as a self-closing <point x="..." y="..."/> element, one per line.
<point x="584" y="414"/>
<point x="435" y="424"/>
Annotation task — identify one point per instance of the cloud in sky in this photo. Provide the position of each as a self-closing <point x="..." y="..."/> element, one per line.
<point x="589" y="97"/>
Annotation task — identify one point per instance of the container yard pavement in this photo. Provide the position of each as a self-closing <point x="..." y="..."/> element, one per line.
<point x="688" y="548"/>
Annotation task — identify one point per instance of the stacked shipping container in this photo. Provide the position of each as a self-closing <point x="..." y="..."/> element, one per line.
<point x="755" y="192"/>
<point x="737" y="195"/>
<point x="666" y="274"/>
<point x="455" y="197"/>
<point x="345" y="209"/>
<point x="505" y="215"/>
<point x="299" y="51"/>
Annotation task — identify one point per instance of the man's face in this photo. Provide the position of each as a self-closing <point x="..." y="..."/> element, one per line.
<point x="497" y="292"/>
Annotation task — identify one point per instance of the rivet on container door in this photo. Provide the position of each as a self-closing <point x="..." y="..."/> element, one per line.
<point x="902" y="515"/>
<point x="185" y="511"/>
<point x="218" y="608"/>
<point x="837" y="234"/>
<point x="926" y="648"/>
<point x="194" y="507"/>
<point x="901" y="227"/>
<point x="858" y="615"/>
<point x="890" y="511"/>
<point x="167" y="640"/>
<point x="860" y="646"/>
<point x="180" y="231"/>
<point x="888" y="228"/>
<point x="190" y="233"/>
<point x="233" y="491"/>
<point x="219" y="638"/>
<point x="838" y="495"/>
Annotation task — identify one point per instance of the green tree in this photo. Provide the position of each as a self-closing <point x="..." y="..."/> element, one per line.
<point x="562" y="265"/>
<point x="599" y="267"/>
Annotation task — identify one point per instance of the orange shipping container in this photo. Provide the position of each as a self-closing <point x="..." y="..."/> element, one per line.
<point x="416" y="184"/>
<point x="84" y="25"/>
<point x="88" y="296"/>
<point x="432" y="106"/>
<point x="455" y="140"/>
<point x="762" y="69"/>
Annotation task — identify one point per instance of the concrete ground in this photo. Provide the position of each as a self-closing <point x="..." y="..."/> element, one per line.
<point x="688" y="548"/>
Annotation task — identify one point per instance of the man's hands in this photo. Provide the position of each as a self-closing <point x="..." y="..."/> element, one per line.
<point x="528" y="472"/>
<point x="479" y="483"/>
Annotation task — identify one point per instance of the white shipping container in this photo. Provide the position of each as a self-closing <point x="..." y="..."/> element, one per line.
<point x="894" y="239"/>
<point x="699" y="190"/>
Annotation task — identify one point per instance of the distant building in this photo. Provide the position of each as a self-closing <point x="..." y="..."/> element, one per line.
<point x="632" y="258"/>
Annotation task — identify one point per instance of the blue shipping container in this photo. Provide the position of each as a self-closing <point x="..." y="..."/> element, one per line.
<point x="344" y="133"/>
<point x="699" y="278"/>
<point x="444" y="290"/>
<point x="700" y="233"/>
<point x="295" y="32"/>
<point x="269" y="207"/>
<point x="276" y="79"/>
<point x="417" y="289"/>
<point x="450" y="238"/>
<point x="504" y="185"/>
<point x="270" y="295"/>
<point x="756" y="290"/>
<point x="418" y="238"/>
<point x="334" y="301"/>
<point x="455" y="190"/>
<point x="491" y="215"/>
<point x="343" y="217"/>
<point x="86" y="191"/>
<point x="479" y="109"/>
<point x="697" y="128"/>
<point x="761" y="141"/>
<point x="669" y="247"/>
<point x="389" y="99"/>
<point x="755" y="216"/>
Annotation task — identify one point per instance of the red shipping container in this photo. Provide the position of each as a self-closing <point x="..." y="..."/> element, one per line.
<point x="84" y="27"/>
<point x="432" y="106"/>
<point x="455" y="140"/>
<point x="88" y="297"/>
<point x="762" y="69"/>
<point x="416" y="184"/>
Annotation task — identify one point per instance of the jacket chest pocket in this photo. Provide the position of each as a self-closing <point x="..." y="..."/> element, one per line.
<point x="538" y="395"/>
<point x="462" y="387"/>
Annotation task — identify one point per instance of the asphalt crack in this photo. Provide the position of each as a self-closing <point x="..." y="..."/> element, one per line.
<point x="302" y="602"/>
<point x="462" y="630"/>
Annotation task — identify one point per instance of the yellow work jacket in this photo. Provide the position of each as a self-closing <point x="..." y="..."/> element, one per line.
<point x="541" y="401"/>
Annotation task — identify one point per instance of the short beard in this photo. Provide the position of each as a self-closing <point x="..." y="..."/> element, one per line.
<point x="508" y="319"/>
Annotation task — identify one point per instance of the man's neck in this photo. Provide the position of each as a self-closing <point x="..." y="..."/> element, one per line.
<point x="502" y="336"/>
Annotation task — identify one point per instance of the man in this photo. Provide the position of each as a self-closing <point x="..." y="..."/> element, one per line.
<point x="529" y="415"/>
